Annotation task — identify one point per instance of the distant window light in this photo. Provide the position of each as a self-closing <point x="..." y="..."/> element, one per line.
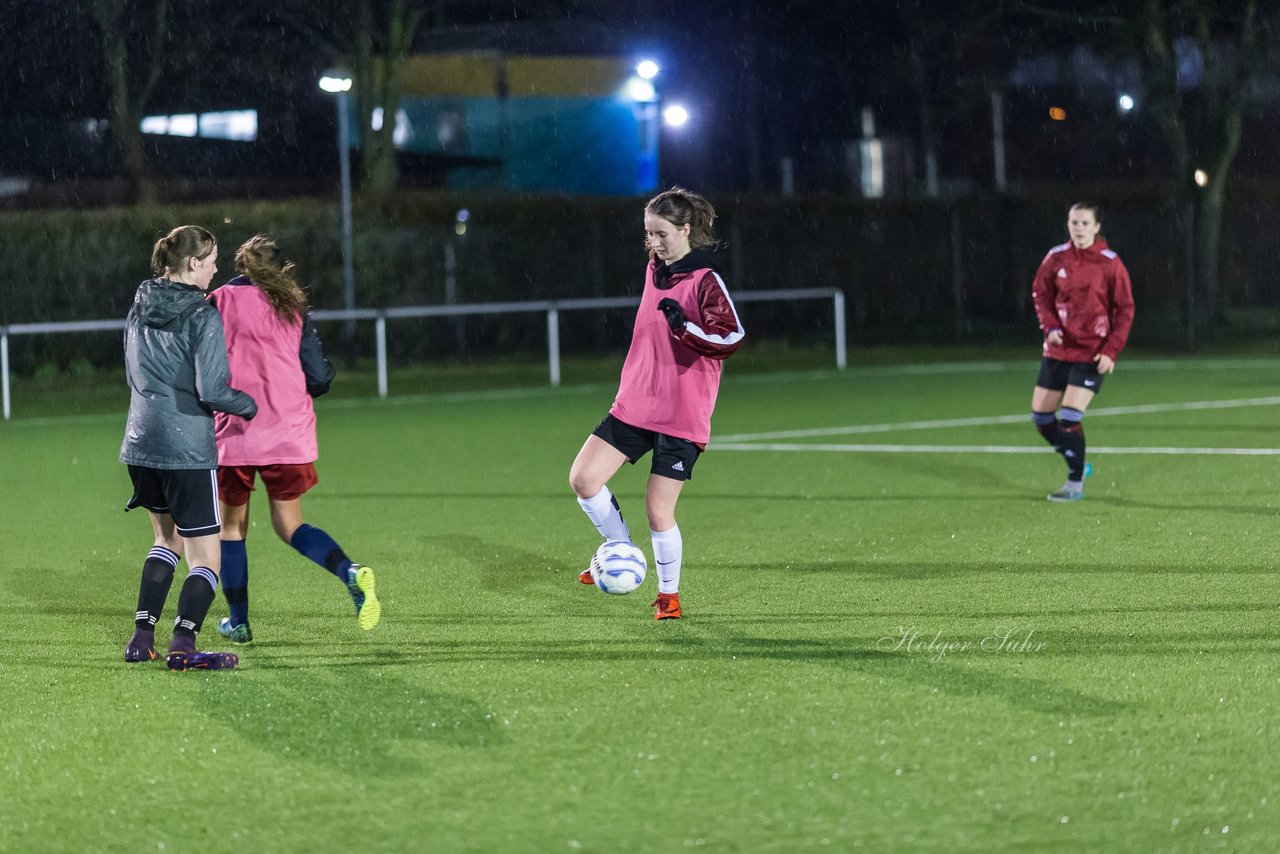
<point x="185" y="124"/>
<point x="232" y="124"/>
<point x="403" y="131"/>
<point x="1057" y="114"/>
<point x="1125" y="102"/>
<point x="239" y="125"/>
<point x="1201" y="178"/>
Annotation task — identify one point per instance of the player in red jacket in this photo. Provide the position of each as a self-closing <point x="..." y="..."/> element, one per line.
<point x="1085" y="306"/>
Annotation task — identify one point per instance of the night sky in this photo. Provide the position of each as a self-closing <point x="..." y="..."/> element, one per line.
<point x="763" y="80"/>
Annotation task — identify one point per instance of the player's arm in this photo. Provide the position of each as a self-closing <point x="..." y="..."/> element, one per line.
<point x="1121" y="296"/>
<point x="1044" y="291"/>
<point x="717" y="331"/>
<point x="318" y="370"/>
<point x="213" y="374"/>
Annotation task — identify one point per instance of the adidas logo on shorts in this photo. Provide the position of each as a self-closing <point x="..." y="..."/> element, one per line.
<point x="679" y="466"/>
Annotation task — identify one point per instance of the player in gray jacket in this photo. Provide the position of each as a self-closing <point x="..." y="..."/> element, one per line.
<point x="176" y="363"/>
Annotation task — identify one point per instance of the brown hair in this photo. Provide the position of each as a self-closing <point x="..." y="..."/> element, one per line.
<point x="681" y="207"/>
<point x="1088" y="206"/>
<point x="186" y="241"/>
<point x="259" y="258"/>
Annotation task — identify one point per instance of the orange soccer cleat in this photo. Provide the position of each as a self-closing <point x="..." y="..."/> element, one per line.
<point x="585" y="577"/>
<point x="668" y="605"/>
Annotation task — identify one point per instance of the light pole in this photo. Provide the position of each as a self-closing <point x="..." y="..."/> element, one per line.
<point x="339" y="84"/>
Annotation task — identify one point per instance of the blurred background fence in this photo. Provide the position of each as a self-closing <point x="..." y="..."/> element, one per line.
<point x="914" y="271"/>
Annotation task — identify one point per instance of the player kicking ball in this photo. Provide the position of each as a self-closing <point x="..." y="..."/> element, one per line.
<point x="685" y="328"/>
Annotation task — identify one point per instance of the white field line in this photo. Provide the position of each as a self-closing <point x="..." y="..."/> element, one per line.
<point x="984" y="449"/>
<point x="723" y="442"/>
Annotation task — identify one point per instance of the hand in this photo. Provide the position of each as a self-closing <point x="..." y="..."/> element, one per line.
<point x="1054" y="337"/>
<point x="1106" y="364"/>
<point x="673" y="312"/>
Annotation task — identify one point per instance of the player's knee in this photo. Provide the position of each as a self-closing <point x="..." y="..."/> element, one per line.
<point x="583" y="486"/>
<point x="1071" y="419"/>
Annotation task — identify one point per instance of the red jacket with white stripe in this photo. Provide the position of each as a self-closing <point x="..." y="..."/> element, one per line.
<point x="1086" y="294"/>
<point x="670" y="380"/>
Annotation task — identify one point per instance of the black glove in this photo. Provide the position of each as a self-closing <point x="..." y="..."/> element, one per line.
<point x="674" y="313"/>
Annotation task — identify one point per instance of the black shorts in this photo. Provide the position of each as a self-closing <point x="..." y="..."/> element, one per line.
<point x="1056" y="375"/>
<point x="190" y="496"/>
<point x="672" y="457"/>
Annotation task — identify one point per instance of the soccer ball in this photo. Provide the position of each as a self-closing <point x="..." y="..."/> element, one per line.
<point x="618" y="567"/>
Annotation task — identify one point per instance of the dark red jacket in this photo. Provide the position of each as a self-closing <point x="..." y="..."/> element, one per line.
<point x="1086" y="294"/>
<point x="712" y="329"/>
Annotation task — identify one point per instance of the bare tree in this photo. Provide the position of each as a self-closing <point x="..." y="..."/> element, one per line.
<point x="1199" y="60"/>
<point x="383" y="40"/>
<point x="1201" y="119"/>
<point x="133" y="63"/>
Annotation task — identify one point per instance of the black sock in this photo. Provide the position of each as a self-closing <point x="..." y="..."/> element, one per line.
<point x="1047" y="424"/>
<point x="153" y="590"/>
<point x="193" y="602"/>
<point x="1073" y="449"/>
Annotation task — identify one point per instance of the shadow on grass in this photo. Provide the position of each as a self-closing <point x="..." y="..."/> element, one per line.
<point x="377" y="723"/>
<point x="905" y="570"/>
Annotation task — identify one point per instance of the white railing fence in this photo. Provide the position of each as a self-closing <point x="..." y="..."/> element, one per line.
<point x="551" y="308"/>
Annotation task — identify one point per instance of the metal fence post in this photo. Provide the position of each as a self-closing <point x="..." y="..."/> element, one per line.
<point x="4" y="369"/>
<point x="842" y="356"/>
<point x="380" y="333"/>
<point x="553" y="344"/>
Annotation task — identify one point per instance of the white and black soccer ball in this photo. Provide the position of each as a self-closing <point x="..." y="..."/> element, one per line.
<point x="618" y="567"/>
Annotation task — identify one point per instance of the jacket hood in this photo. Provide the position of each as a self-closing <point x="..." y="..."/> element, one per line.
<point x="697" y="259"/>
<point x="159" y="301"/>
<point x="1093" y="253"/>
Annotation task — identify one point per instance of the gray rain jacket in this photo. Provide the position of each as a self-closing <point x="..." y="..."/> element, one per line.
<point x="175" y="358"/>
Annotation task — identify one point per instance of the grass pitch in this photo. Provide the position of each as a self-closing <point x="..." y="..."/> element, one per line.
<point x="892" y="640"/>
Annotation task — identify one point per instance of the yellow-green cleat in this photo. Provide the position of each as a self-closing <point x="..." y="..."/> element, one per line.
<point x="360" y="584"/>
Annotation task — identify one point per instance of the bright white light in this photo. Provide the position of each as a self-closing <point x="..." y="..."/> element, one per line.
<point x="185" y="124"/>
<point x="230" y="124"/>
<point x="1125" y="102"/>
<point x="647" y="68"/>
<point x="1202" y="178"/>
<point x="335" y="84"/>
<point x="641" y="91"/>
<point x="675" y="116"/>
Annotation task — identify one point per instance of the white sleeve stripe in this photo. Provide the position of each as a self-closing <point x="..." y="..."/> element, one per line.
<point x="733" y="337"/>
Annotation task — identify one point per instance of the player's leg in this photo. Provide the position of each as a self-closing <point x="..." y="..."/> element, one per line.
<point x="660" y="499"/>
<point x="596" y="463"/>
<point x="1045" y="397"/>
<point x="153" y="588"/>
<point x="1044" y="408"/>
<point x="235" y="485"/>
<point x="610" y="445"/>
<point x="673" y="461"/>
<point x="193" y="496"/>
<point x="285" y="485"/>
<point x="1074" y="403"/>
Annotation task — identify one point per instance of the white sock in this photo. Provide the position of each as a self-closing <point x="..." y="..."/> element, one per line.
<point x="603" y="512"/>
<point x="668" y="549"/>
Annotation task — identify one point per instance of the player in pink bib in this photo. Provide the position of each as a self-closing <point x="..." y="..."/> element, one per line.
<point x="685" y="328"/>
<point x="274" y="350"/>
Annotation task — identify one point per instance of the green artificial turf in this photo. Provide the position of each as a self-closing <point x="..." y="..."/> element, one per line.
<point x="882" y="649"/>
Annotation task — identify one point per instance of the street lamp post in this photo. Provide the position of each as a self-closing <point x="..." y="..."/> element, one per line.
<point x="339" y="84"/>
